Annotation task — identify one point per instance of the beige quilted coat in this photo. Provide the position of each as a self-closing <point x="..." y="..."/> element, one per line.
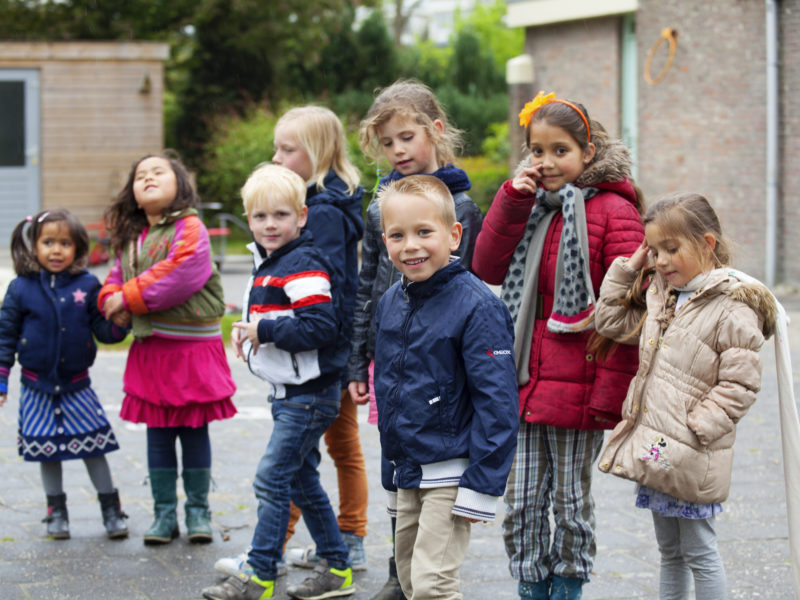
<point x="699" y="372"/>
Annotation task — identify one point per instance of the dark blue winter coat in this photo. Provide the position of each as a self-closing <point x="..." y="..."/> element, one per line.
<point x="335" y="221"/>
<point x="47" y="321"/>
<point x="377" y="273"/>
<point x="303" y="348"/>
<point x="446" y="388"/>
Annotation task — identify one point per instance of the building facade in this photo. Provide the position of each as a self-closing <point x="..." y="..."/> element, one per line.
<point x="73" y="118"/>
<point x="687" y="85"/>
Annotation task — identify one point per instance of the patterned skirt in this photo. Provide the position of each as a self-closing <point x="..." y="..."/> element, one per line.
<point x="54" y="427"/>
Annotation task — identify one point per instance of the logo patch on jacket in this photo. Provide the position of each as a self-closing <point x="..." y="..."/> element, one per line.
<point x="656" y="453"/>
<point x="498" y="352"/>
<point x="79" y="296"/>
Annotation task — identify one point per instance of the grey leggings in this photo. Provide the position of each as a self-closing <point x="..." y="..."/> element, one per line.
<point x="97" y="467"/>
<point x="689" y="549"/>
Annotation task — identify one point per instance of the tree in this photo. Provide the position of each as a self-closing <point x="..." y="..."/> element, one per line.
<point x="93" y="19"/>
<point x="249" y="51"/>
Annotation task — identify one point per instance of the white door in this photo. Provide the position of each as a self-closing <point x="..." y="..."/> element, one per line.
<point x="19" y="148"/>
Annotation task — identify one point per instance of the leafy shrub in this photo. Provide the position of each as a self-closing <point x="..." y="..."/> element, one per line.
<point x="238" y="144"/>
<point x="487" y="176"/>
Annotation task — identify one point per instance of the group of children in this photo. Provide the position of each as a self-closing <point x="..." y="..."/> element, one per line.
<point x="476" y="396"/>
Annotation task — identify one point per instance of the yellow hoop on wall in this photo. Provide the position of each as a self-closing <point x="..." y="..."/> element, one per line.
<point x="671" y="36"/>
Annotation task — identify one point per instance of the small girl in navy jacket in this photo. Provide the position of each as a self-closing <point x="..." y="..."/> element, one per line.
<point x="47" y="320"/>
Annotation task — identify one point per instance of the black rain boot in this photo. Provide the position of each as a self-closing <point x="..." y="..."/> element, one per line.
<point x="113" y="517"/>
<point x="391" y="590"/>
<point x="196" y="483"/>
<point x="165" y="506"/>
<point x="57" y="518"/>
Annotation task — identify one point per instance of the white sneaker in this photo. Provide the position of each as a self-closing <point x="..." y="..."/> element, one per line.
<point x="305" y="558"/>
<point x="233" y="565"/>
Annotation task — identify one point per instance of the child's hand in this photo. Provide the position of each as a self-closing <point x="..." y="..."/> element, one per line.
<point x="237" y="339"/>
<point x="471" y="520"/>
<point x="526" y="180"/>
<point x="122" y="319"/>
<point x="113" y="304"/>
<point x="640" y="258"/>
<point x="3" y="398"/>
<point x="358" y="392"/>
<point x="247" y="331"/>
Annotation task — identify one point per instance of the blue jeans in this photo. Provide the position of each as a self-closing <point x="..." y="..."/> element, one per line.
<point x="288" y="471"/>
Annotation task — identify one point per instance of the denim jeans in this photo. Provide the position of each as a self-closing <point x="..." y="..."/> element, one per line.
<point x="288" y="471"/>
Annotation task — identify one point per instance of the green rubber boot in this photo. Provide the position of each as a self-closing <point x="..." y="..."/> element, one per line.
<point x="196" y="483"/>
<point x="165" y="505"/>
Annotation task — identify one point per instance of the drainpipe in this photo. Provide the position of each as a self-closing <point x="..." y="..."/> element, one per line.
<point x="773" y="112"/>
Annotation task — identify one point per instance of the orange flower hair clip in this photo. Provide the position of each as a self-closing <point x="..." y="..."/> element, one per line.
<point x="526" y="114"/>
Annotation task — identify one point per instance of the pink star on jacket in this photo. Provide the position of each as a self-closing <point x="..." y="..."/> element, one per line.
<point x="79" y="296"/>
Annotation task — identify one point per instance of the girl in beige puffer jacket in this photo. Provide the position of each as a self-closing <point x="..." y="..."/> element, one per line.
<point x="699" y="330"/>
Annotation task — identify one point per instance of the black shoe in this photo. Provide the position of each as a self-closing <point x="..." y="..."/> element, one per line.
<point x="391" y="590"/>
<point x="113" y="517"/>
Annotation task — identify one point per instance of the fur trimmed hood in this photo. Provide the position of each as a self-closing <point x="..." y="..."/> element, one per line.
<point x="760" y="299"/>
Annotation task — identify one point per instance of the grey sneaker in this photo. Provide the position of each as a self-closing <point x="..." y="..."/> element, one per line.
<point x="324" y="582"/>
<point x="240" y="587"/>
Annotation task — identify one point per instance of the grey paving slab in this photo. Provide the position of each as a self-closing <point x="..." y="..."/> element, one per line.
<point x="752" y="530"/>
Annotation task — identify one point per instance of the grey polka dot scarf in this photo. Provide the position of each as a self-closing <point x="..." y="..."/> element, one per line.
<point x="573" y="307"/>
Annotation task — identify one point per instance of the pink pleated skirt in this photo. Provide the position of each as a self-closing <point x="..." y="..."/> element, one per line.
<point x="174" y="383"/>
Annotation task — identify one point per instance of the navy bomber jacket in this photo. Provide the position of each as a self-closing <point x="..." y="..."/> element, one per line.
<point x="47" y="321"/>
<point x="377" y="273"/>
<point x="302" y="346"/>
<point x="446" y="388"/>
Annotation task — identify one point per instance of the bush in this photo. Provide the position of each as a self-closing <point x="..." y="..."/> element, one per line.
<point x="486" y="177"/>
<point x="237" y="146"/>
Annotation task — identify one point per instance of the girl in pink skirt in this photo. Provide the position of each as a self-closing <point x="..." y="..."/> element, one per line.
<point x="177" y="379"/>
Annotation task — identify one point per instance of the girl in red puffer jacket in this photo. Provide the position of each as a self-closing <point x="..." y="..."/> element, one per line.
<point x="548" y="238"/>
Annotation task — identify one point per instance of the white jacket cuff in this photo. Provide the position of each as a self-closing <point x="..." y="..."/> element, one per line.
<point x="474" y="505"/>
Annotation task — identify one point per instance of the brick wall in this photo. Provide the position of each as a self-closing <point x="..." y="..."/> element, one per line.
<point x="789" y="154"/>
<point x="580" y="61"/>
<point x="703" y="127"/>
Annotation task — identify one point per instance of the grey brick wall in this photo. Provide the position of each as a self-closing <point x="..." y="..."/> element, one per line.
<point x="580" y="61"/>
<point x="703" y="127"/>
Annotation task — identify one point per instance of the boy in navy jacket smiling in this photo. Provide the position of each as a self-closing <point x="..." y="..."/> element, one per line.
<point x="445" y="385"/>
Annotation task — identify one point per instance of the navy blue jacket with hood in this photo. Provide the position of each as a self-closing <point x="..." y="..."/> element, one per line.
<point x="445" y="384"/>
<point x="48" y="320"/>
<point x="335" y="221"/>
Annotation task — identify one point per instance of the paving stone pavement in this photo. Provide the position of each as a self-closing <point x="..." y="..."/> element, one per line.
<point x="752" y="531"/>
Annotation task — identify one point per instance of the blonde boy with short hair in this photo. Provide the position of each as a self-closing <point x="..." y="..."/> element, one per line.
<point x="446" y="389"/>
<point x="290" y="336"/>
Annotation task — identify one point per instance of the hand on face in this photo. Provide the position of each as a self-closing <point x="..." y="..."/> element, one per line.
<point x="526" y="180"/>
<point x="641" y="257"/>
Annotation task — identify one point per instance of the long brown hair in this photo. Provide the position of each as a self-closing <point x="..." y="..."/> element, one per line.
<point x="125" y="220"/>
<point x="416" y="101"/>
<point x="687" y="216"/>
